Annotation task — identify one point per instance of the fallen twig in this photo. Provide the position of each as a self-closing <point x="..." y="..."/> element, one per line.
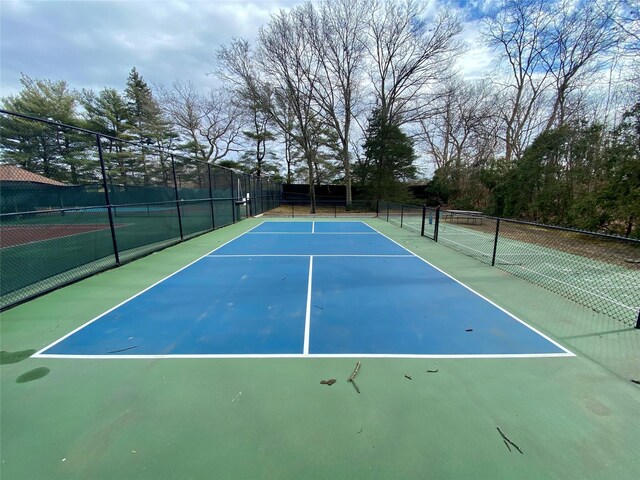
<point x="635" y="381"/>
<point x="432" y="371"/>
<point x="353" y="375"/>
<point x="123" y="349"/>
<point x="329" y="382"/>
<point x="408" y="376"/>
<point x="506" y="439"/>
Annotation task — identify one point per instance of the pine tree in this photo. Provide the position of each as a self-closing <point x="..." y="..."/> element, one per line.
<point x="389" y="159"/>
<point x="53" y="151"/>
<point x="147" y="127"/>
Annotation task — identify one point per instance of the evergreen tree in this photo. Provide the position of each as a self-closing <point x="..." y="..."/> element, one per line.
<point x="621" y="196"/>
<point x="108" y="113"/>
<point x="53" y="151"/>
<point x="389" y="159"/>
<point x="147" y="127"/>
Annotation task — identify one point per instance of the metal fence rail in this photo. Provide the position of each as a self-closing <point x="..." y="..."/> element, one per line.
<point x="75" y="202"/>
<point x="599" y="271"/>
<point x="301" y="207"/>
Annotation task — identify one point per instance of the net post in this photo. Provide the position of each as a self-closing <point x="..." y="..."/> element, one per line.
<point x="213" y="220"/>
<point x="638" y="320"/>
<point x="424" y="215"/>
<point x="107" y="199"/>
<point x="436" y="227"/>
<point x="401" y="215"/>
<point x="495" y="243"/>
<point x="175" y="189"/>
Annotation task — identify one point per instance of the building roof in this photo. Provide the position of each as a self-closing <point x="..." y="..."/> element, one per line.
<point x="11" y="173"/>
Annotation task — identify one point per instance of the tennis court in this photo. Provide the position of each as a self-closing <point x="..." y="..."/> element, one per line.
<point x="306" y="288"/>
<point x="205" y="360"/>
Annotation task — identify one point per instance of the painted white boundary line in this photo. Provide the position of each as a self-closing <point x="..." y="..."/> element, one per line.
<point x="313" y="227"/>
<point x="39" y="352"/>
<point x="310" y="233"/>
<point x="303" y="255"/>
<point x="307" y="315"/>
<point x="568" y="352"/>
<point x="300" y="355"/>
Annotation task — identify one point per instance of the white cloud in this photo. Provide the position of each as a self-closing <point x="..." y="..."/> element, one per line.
<point x="93" y="44"/>
<point x="477" y="58"/>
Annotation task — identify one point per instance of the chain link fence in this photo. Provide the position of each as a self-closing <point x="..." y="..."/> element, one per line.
<point x="75" y="202"/>
<point x="599" y="271"/>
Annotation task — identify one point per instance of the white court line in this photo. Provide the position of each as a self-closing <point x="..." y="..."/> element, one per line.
<point x="568" y="353"/>
<point x="313" y="227"/>
<point x="39" y="352"/>
<point x="575" y="287"/>
<point x="596" y="293"/>
<point x="300" y="355"/>
<point x="307" y="315"/>
<point x="309" y="233"/>
<point x="584" y="262"/>
<point x="465" y="246"/>
<point x="222" y="255"/>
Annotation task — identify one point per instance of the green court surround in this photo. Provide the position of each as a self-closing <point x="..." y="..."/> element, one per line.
<point x="572" y="417"/>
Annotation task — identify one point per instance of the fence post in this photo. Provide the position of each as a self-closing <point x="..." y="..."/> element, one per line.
<point x="175" y="188"/>
<point x="401" y="215"/>
<point x="638" y="320"/>
<point x="436" y="227"/>
<point x="107" y="199"/>
<point x="424" y="214"/>
<point x="377" y="208"/>
<point x="233" y="199"/>
<point x="247" y="191"/>
<point x="213" y="220"/>
<point x="495" y="243"/>
<point x="387" y="211"/>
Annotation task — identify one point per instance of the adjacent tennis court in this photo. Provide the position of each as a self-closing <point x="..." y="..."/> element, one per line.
<point x="306" y="289"/>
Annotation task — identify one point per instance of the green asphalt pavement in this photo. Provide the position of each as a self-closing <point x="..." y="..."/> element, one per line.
<point x="570" y="417"/>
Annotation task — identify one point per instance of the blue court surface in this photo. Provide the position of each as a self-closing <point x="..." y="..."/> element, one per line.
<point x="299" y="289"/>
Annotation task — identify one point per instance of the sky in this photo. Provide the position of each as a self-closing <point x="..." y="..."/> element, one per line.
<point x="94" y="44"/>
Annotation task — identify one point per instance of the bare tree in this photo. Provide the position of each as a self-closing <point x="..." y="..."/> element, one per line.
<point x="337" y="32"/>
<point x="462" y="128"/>
<point x="210" y="123"/>
<point x="281" y="73"/>
<point x="519" y="32"/>
<point x="579" y="38"/>
<point x="408" y="50"/>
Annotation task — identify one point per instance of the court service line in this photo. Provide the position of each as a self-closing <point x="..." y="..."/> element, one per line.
<point x="39" y="352"/>
<point x="309" y="233"/>
<point x="307" y="315"/>
<point x="568" y="352"/>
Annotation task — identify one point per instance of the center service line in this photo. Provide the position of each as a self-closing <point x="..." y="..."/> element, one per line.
<point x="307" y="317"/>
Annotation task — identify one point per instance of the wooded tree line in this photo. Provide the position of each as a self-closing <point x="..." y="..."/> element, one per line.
<point x="356" y="91"/>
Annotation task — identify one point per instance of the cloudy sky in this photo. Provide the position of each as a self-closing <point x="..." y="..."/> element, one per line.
<point x="94" y="44"/>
